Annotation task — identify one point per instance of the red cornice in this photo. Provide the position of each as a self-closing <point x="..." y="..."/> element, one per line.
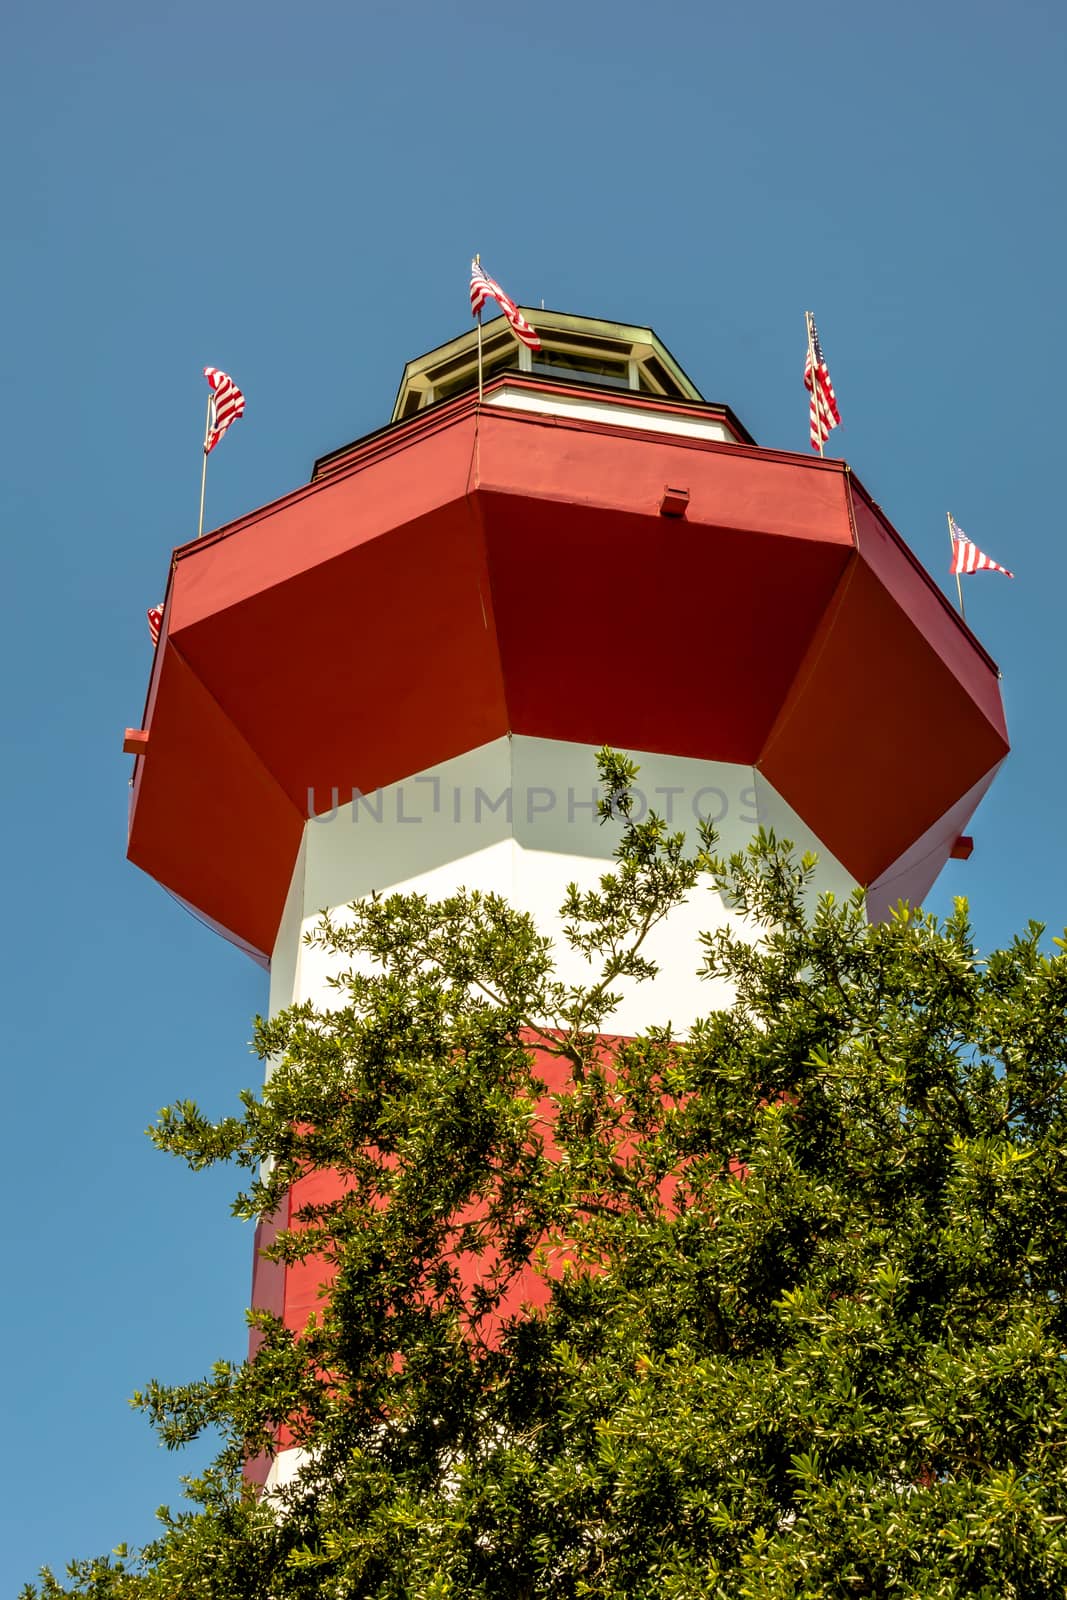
<point x="454" y="578"/>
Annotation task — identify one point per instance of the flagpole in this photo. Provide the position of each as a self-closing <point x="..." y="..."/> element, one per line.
<point x="203" y="472"/>
<point x="952" y="542"/>
<point x="478" y="262"/>
<point x="479" y="358"/>
<point x="814" y="390"/>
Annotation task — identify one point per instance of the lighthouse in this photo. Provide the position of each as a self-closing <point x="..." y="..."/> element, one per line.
<point x="397" y="676"/>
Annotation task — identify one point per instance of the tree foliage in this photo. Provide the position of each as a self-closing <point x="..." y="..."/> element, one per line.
<point x="799" y="1328"/>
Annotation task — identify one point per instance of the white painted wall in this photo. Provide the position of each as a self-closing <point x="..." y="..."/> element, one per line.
<point x="620" y="416"/>
<point x="517" y="816"/>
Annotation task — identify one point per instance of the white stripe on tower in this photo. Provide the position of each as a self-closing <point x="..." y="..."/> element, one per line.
<point x="518" y="817"/>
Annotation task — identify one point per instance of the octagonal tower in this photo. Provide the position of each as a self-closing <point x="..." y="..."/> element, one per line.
<point x="397" y="675"/>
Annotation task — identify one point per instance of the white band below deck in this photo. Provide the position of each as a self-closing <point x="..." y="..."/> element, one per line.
<point x="610" y="411"/>
<point x="517" y="817"/>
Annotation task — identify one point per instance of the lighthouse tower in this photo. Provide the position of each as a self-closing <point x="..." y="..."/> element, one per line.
<point x="396" y="677"/>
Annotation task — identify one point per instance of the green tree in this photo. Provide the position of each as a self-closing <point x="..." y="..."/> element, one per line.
<point x="803" y="1322"/>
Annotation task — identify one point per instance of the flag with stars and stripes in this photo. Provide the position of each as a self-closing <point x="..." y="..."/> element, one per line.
<point x="226" y="405"/>
<point x="155" y="623"/>
<point x="484" y="288"/>
<point x="966" y="556"/>
<point x="823" y="414"/>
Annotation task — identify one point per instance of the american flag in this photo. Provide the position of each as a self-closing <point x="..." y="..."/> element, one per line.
<point x="227" y="404"/>
<point x="155" y="623"/>
<point x="484" y="288"/>
<point x="822" y="411"/>
<point x="966" y="557"/>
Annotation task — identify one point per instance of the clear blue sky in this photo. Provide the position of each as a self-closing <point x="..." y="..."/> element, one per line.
<point x="293" y="193"/>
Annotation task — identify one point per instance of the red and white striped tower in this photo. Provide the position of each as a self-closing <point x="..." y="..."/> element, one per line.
<point x="396" y="676"/>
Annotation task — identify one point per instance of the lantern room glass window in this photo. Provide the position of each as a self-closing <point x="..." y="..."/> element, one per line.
<point x="596" y="356"/>
<point x="580" y="364"/>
